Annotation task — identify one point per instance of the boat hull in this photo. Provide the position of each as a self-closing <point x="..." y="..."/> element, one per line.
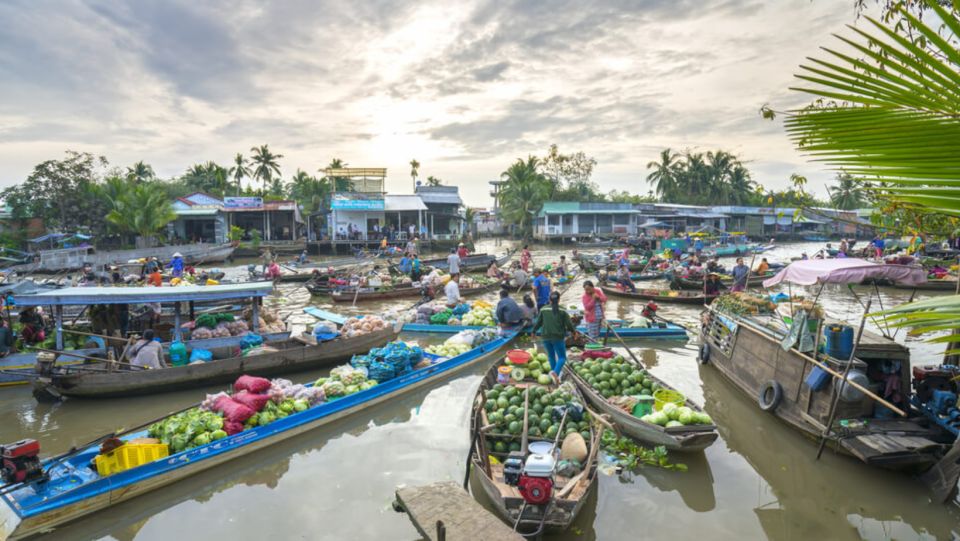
<point x="399" y="293"/>
<point x="129" y="484"/>
<point x="640" y="295"/>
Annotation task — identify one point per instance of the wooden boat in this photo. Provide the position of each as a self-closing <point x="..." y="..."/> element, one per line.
<point x="591" y="265"/>
<point x="55" y="261"/>
<point x="949" y="284"/>
<point x="371" y="294"/>
<point x="566" y="501"/>
<point x="99" y="381"/>
<point x="74" y="490"/>
<point x="692" y="438"/>
<point x="659" y="295"/>
<point x="680" y="282"/>
<point x="747" y="351"/>
<point x="473" y="262"/>
<point x="815" y="238"/>
<point x="473" y="291"/>
<point x="659" y="330"/>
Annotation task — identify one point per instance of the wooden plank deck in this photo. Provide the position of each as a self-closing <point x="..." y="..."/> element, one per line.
<point x="462" y="517"/>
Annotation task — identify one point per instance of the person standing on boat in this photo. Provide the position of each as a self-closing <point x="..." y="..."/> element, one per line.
<point x="698" y="246"/>
<point x="623" y="278"/>
<point x="176" y="265"/>
<point x="877" y="247"/>
<point x="508" y="312"/>
<point x="416" y="268"/>
<point x="740" y="274"/>
<point x="147" y="352"/>
<point x="843" y="246"/>
<point x="383" y="245"/>
<point x="541" y="288"/>
<point x="412" y="246"/>
<point x="555" y="323"/>
<point x="452" y="291"/>
<point x="453" y="262"/>
<point x="525" y="258"/>
<point x="594" y="306"/>
<point x="6" y="338"/>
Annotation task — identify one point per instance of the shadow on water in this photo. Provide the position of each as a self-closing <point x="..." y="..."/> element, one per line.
<point x="836" y="497"/>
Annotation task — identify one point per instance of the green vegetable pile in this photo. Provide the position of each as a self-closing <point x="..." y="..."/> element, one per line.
<point x="441" y="318"/>
<point x="631" y="456"/>
<point x="210" y="320"/>
<point x="192" y="428"/>
<point x="273" y="411"/>
<point x="615" y="377"/>
<point x="504" y="407"/>
<point x="671" y="415"/>
<point x="742" y="303"/>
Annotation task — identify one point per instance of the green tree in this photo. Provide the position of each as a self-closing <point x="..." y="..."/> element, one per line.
<point x="664" y="175"/>
<point x="571" y="174"/>
<point x="847" y="194"/>
<point x="523" y="193"/>
<point x="341" y="184"/>
<point x="311" y="192"/>
<point x="207" y="178"/>
<point x="266" y="164"/>
<point x="414" y="170"/>
<point x="434" y="181"/>
<point x="239" y="170"/>
<point x="140" y="172"/>
<point x="141" y="209"/>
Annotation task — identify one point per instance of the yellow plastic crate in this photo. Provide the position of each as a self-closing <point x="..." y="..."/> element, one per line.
<point x="130" y="455"/>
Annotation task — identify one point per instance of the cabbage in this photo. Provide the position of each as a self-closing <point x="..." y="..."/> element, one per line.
<point x="687" y="418"/>
<point x="301" y="405"/>
<point x="672" y="424"/>
<point x="217" y="435"/>
<point x="202" y="439"/>
<point x="351" y="389"/>
<point x="286" y="406"/>
<point x="214" y="422"/>
<point x="704" y="419"/>
<point x="659" y="418"/>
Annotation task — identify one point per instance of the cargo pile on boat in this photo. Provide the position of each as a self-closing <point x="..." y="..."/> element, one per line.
<point x="462" y="342"/>
<point x="361" y="325"/>
<point x="615" y="377"/>
<point x="480" y="314"/>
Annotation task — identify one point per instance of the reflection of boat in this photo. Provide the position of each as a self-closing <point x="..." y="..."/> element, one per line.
<point x="799" y="487"/>
<point x="73" y="490"/>
<point x="519" y="504"/>
<point x="691" y="438"/>
<point x="695" y="486"/>
<point x="666" y="295"/>
<point x="747" y="350"/>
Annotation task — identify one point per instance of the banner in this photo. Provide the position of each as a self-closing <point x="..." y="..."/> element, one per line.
<point x="243" y="202"/>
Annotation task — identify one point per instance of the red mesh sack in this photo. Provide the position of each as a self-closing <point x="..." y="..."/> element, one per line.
<point x="232" y="428"/>
<point x="254" y="401"/>
<point x="252" y="384"/>
<point x="233" y="411"/>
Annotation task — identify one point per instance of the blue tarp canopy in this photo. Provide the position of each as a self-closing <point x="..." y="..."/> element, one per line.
<point x="72" y="296"/>
<point x="60" y="237"/>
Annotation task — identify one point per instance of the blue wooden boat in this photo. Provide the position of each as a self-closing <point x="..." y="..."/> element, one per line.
<point x="74" y="489"/>
<point x="657" y="330"/>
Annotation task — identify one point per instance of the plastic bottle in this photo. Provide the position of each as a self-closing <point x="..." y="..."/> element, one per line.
<point x="178" y="353"/>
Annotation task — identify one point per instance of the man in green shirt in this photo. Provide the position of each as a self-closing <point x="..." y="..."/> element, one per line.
<point x="554" y="322"/>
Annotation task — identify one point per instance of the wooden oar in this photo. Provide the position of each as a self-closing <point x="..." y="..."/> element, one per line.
<point x="610" y="329"/>
<point x="843" y="380"/>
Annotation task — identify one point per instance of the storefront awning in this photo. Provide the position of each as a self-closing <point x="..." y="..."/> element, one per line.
<point x="400" y="203"/>
<point x="197" y="212"/>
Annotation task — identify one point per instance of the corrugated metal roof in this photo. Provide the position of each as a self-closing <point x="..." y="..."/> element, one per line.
<point x="399" y="203"/>
<point x="136" y="295"/>
<point x="442" y="195"/>
<point x="201" y="211"/>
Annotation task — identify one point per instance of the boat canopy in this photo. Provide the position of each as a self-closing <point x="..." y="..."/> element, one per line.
<point x="845" y="271"/>
<point x="71" y="296"/>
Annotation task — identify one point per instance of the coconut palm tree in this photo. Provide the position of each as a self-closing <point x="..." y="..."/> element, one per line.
<point x="895" y="119"/>
<point x="847" y="194"/>
<point x="414" y="171"/>
<point x="208" y="178"/>
<point x="434" y="181"/>
<point x="523" y="193"/>
<point x="239" y="170"/>
<point x="140" y="172"/>
<point x="741" y="185"/>
<point x="664" y="175"/>
<point x="266" y="164"/>
<point x="142" y="209"/>
<point x="309" y="191"/>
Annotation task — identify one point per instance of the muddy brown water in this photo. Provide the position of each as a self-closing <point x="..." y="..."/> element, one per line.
<point x="759" y="480"/>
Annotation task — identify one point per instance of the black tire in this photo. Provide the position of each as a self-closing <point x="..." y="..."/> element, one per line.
<point x="770" y="396"/>
<point x="703" y="357"/>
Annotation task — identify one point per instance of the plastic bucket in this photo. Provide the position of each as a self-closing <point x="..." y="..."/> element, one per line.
<point x="518" y="356"/>
<point x="839" y="341"/>
<point x="503" y="374"/>
<point x="664" y="396"/>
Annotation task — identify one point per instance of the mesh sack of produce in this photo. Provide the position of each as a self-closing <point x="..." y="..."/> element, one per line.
<point x="200" y="354"/>
<point x="233" y="411"/>
<point x="259" y="350"/>
<point x="461" y="309"/>
<point x="360" y="361"/>
<point x="252" y="384"/>
<point x="381" y="371"/>
<point x="250" y="340"/>
<point x="256" y="402"/>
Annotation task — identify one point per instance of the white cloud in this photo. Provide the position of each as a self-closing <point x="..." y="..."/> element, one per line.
<point x="465" y="87"/>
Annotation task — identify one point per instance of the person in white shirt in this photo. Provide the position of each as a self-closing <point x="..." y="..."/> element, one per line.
<point x="453" y="262"/>
<point x="147" y="352"/>
<point x="452" y="291"/>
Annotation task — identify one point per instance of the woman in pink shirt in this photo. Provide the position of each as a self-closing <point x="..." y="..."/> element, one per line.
<point x="594" y="303"/>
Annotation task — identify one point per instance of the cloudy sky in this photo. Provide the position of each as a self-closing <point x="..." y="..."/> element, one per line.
<point x="464" y="87"/>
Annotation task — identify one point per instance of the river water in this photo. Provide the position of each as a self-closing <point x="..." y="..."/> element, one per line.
<point x="759" y="480"/>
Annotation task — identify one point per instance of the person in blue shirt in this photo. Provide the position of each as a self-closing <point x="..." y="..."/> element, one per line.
<point x="405" y="265"/>
<point x="176" y="264"/>
<point x="415" y="268"/>
<point x="698" y="246"/>
<point x="541" y="287"/>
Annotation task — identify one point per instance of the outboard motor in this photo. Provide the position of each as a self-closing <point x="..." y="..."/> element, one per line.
<point x="21" y="461"/>
<point x="536" y="481"/>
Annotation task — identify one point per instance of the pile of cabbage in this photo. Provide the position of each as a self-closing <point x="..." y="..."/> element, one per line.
<point x="344" y="381"/>
<point x="462" y="342"/>
<point x="672" y="415"/>
<point x="192" y="428"/>
<point x="480" y="315"/>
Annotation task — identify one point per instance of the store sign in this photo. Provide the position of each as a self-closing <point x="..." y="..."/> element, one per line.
<point x="243" y="202"/>
<point x="357" y="204"/>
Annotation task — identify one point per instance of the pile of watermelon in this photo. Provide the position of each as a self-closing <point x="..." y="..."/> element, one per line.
<point x="615" y="377"/>
<point x="504" y="405"/>
<point x="536" y="369"/>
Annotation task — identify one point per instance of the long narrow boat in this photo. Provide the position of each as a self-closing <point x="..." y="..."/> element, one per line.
<point x="565" y="502"/>
<point x="931" y="285"/>
<point x="690" y="438"/>
<point x="681" y="282"/>
<point x="473" y="291"/>
<point x="747" y="350"/>
<point x="474" y="262"/>
<point x="659" y="295"/>
<point x="98" y="380"/>
<point x="348" y="295"/>
<point x="659" y="330"/>
<point x="74" y="490"/>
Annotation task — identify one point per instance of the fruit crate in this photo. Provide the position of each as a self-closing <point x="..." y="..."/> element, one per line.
<point x="128" y="456"/>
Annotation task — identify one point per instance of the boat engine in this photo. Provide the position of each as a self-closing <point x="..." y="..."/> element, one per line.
<point x="536" y="481"/>
<point x="21" y="461"/>
<point x="936" y="389"/>
<point x="513" y="468"/>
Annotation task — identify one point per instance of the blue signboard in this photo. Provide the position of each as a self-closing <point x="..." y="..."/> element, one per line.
<point x="357" y="204"/>
<point x="243" y="202"/>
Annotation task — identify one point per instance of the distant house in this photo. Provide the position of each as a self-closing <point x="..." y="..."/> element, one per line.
<point x="200" y="218"/>
<point x="444" y="215"/>
<point x="275" y="220"/>
<point x="568" y="219"/>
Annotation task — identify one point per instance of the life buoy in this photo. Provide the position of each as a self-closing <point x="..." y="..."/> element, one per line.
<point x="770" y="396"/>
<point x="704" y="356"/>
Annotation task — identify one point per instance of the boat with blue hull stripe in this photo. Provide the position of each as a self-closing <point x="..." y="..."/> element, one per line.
<point x="75" y="490"/>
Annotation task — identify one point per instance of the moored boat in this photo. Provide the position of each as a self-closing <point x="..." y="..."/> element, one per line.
<point x="72" y="489"/>
<point x="681" y="282"/>
<point x="375" y="294"/>
<point x="660" y="295"/>
<point x="526" y="485"/>
<point x="947" y="284"/>
<point x="473" y="262"/>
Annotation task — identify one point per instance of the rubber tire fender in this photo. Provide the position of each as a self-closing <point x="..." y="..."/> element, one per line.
<point x="703" y="357"/>
<point x="770" y="396"/>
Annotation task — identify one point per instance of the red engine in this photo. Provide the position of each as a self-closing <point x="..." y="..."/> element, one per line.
<point x="535" y="490"/>
<point x="21" y="461"/>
